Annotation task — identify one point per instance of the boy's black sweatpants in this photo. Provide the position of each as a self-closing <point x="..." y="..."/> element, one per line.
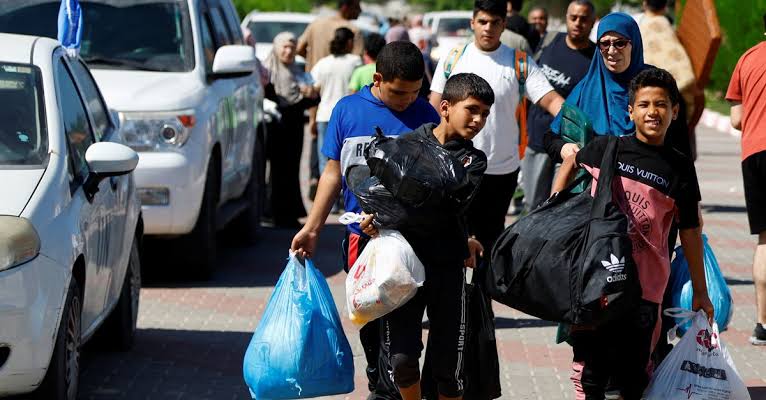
<point x="616" y="354"/>
<point x="443" y="297"/>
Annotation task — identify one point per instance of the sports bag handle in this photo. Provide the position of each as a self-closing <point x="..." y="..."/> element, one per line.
<point x="606" y="173"/>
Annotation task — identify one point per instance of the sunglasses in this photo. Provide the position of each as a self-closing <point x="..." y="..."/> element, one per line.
<point x="618" y="44"/>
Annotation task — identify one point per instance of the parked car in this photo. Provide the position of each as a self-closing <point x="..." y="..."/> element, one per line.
<point x="70" y="220"/>
<point x="449" y="28"/>
<point x="266" y="25"/>
<point x="181" y="79"/>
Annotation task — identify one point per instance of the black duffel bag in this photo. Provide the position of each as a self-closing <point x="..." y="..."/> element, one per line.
<point x="570" y="260"/>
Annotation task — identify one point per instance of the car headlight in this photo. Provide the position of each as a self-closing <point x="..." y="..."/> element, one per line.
<point x="19" y="241"/>
<point x="156" y="131"/>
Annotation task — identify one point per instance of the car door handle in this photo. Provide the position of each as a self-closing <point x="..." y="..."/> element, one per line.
<point x="113" y="183"/>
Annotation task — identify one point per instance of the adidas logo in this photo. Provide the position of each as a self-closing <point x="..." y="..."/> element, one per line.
<point x="615" y="265"/>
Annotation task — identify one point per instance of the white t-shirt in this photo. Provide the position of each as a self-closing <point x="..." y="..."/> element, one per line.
<point x="499" y="139"/>
<point x="332" y="74"/>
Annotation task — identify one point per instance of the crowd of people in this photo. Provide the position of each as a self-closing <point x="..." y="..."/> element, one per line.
<point x="496" y="100"/>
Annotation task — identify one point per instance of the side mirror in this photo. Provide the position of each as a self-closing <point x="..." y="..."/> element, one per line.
<point x="233" y="61"/>
<point x="106" y="159"/>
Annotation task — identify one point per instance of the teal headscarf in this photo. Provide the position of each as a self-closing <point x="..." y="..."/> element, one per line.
<point x="603" y="95"/>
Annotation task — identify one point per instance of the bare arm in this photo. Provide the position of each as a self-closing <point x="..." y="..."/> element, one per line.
<point x="736" y="115"/>
<point x="305" y="240"/>
<point x="435" y="98"/>
<point x="566" y="173"/>
<point x="551" y="102"/>
<point x="691" y="241"/>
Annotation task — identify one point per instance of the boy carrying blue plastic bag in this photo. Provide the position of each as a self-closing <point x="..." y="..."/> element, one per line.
<point x="299" y="349"/>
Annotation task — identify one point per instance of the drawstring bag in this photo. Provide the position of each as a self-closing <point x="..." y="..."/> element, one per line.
<point x="699" y="367"/>
<point x="299" y="349"/>
<point x="681" y="286"/>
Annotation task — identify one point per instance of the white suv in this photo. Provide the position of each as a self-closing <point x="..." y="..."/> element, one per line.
<point x="180" y="77"/>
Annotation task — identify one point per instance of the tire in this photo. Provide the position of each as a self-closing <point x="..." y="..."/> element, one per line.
<point x="119" y="330"/>
<point x="61" y="381"/>
<point x="247" y="225"/>
<point x="197" y="252"/>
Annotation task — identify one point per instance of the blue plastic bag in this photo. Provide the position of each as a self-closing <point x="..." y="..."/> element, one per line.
<point x="299" y="349"/>
<point x="681" y="287"/>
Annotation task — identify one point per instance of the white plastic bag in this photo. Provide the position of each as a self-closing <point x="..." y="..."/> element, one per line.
<point x="385" y="276"/>
<point x="698" y="367"/>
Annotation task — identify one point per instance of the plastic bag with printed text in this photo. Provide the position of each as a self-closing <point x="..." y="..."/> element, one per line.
<point x="385" y="276"/>
<point x="299" y="349"/>
<point x="699" y="367"/>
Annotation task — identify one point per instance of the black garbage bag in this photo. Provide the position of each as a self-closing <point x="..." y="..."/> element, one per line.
<point x="418" y="172"/>
<point x="374" y="198"/>
<point x="481" y="367"/>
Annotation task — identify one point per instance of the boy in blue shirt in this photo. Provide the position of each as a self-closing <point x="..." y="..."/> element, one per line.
<point x="391" y="102"/>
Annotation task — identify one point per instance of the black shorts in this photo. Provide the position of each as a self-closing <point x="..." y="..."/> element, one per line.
<point x="443" y="297"/>
<point x="754" y="177"/>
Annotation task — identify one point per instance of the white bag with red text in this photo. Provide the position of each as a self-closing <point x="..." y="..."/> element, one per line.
<point x="699" y="366"/>
<point x="385" y="276"/>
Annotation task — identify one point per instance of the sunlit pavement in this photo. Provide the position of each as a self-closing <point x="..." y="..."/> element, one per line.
<point x="193" y="336"/>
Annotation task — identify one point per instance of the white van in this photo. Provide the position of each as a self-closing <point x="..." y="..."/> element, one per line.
<point x="179" y="76"/>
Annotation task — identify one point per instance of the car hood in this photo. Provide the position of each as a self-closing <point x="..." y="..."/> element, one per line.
<point x="129" y="90"/>
<point x="21" y="184"/>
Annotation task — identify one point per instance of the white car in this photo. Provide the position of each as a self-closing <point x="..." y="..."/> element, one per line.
<point x="70" y="220"/>
<point x="450" y="29"/>
<point x="266" y="25"/>
<point x="182" y="80"/>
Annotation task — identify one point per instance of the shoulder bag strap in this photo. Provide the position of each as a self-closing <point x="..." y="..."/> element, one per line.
<point x="452" y="58"/>
<point x="521" y="67"/>
<point x="607" y="171"/>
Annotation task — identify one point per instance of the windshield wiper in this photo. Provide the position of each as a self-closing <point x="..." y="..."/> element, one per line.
<point x="122" y="62"/>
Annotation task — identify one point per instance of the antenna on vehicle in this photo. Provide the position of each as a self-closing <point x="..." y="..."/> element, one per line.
<point x="70" y="26"/>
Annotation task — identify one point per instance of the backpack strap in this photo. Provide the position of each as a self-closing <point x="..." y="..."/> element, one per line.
<point x="521" y="67"/>
<point x="452" y="58"/>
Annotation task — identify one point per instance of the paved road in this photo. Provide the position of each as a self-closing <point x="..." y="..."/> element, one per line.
<point x="193" y="335"/>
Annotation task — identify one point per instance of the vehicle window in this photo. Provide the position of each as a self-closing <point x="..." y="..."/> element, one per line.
<point x="127" y="34"/>
<point x="232" y="22"/>
<point x="208" y="45"/>
<point x="454" y="27"/>
<point x="220" y="35"/>
<point x="265" y="31"/>
<point x="93" y="100"/>
<point x="76" y="126"/>
<point x="23" y="136"/>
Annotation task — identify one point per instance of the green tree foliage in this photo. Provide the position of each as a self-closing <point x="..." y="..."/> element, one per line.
<point x="742" y="28"/>
<point x="245" y="6"/>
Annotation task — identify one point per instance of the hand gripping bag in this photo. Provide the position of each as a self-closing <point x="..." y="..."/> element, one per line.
<point x="717" y="289"/>
<point x="385" y="276"/>
<point x="699" y="367"/>
<point x="570" y="260"/>
<point x="299" y="349"/>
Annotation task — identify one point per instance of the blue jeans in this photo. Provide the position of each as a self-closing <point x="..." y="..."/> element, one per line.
<point x="321" y="129"/>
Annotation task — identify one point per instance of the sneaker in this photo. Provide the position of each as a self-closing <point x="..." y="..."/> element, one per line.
<point x="759" y="336"/>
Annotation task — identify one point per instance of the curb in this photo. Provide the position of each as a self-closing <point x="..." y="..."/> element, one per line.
<point x="719" y="122"/>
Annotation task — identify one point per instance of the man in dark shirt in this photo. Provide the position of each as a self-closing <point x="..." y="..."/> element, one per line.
<point x="516" y="23"/>
<point x="564" y="61"/>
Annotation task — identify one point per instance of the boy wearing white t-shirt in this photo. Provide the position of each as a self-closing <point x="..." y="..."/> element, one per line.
<point x="331" y="75"/>
<point x="494" y="62"/>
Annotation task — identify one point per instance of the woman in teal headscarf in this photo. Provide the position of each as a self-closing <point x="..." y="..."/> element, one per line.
<point x="602" y="95"/>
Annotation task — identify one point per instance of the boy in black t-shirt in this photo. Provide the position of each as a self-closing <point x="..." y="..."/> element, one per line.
<point x="657" y="185"/>
<point x="439" y="238"/>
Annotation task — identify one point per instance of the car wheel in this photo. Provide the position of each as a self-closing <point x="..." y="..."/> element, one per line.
<point x="120" y="328"/>
<point x="199" y="247"/>
<point x="247" y="225"/>
<point x="62" y="378"/>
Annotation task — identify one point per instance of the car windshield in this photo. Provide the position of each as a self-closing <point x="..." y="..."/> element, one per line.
<point x="265" y="31"/>
<point x="121" y="34"/>
<point x="454" y="27"/>
<point x="23" y="138"/>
